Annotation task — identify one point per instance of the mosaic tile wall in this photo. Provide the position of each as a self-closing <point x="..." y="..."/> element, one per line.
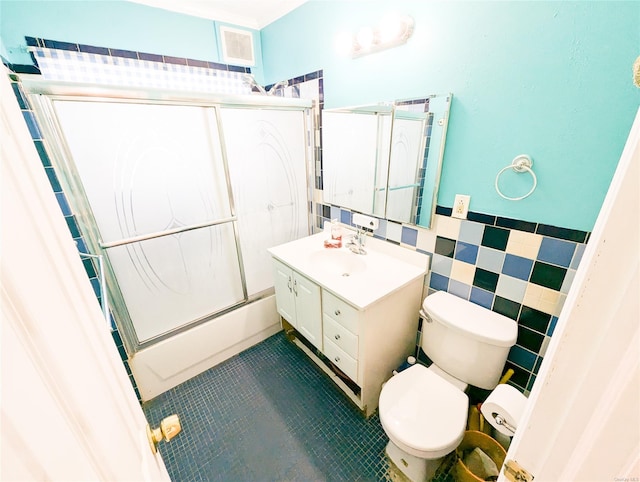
<point x="520" y="269"/>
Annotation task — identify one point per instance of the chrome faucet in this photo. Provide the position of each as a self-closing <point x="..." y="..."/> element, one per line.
<point x="357" y="241"/>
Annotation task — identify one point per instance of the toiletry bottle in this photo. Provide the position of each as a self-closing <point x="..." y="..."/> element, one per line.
<point x="336" y="233"/>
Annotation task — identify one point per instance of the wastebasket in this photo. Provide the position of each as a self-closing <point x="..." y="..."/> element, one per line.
<point x="488" y="445"/>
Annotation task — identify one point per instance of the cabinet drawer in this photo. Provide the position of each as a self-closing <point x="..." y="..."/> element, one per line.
<point x="341" y="359"/>
<point x="340" y="311"/>
<point x="340" y="336"/>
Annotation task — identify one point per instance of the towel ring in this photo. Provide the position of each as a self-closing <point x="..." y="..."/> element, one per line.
<point x="521" y="163"/>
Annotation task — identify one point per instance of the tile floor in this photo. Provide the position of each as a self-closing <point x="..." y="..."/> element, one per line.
<point x="269" y="414"/>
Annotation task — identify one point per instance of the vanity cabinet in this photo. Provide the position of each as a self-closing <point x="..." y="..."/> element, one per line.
<point x="298" y="302"/>
<point x="365" y="345"/>
<point x="355" y="316"/>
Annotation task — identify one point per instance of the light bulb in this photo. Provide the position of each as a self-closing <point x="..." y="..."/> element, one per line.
<point x="365" y="38"/>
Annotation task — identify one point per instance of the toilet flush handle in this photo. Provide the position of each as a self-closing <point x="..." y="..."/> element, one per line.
<point x="425" y="317"/>
<point x="501" y="421"/>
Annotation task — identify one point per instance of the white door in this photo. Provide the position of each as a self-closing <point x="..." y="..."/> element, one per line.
<point x="582" y="422"/>
<point x="68" y="409"/>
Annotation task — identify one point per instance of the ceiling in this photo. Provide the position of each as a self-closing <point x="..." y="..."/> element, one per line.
<point x="247" y="13"/>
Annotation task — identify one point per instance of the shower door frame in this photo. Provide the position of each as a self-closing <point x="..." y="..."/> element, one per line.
<point x="42" y="94"/>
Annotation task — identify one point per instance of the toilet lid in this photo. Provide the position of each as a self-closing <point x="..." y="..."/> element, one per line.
<point x="423" y="411"/>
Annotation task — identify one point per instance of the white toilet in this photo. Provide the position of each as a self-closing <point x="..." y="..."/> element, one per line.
<point x="424" y="410"/>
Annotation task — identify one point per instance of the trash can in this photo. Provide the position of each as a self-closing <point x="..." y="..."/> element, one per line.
<point x="488" y="445"/>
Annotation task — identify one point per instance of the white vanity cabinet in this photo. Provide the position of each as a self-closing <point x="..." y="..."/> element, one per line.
<point x="298" y="302"/>
<point x="360" y="311"/>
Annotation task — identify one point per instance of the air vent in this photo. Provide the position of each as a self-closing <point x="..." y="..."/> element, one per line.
<point x="237" y="46"/>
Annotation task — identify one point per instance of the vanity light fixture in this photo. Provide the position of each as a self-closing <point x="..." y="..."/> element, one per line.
<point x="390" y="32"/>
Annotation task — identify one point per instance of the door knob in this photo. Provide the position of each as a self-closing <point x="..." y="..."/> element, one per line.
<point x="169" y="428"/>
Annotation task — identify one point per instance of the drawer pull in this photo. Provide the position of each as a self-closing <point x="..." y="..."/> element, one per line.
<point x="337" y="312"/>
<point x="337" y="337"/>
<point x="337" y="359"/>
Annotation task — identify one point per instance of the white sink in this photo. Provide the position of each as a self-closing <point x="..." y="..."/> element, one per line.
<point x="338" y="262"/>
<point x="359" y="279"/>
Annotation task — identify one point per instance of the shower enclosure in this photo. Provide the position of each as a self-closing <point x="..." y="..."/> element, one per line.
<point x="182" y="194"/>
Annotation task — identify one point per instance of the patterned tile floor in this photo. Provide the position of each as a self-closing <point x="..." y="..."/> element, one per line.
<point x="269" y="414"/>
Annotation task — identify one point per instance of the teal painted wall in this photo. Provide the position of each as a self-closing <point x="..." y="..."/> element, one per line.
<point x="548" y="79"/>
<point x="114" y="24"/>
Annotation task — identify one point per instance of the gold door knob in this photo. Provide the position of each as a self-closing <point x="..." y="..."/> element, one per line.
<point x="169" y="428"/>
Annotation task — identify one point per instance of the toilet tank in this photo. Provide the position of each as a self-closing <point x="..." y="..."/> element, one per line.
<point x="466" y="340"/>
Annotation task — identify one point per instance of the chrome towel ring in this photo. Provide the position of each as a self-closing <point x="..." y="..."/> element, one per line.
<point x="521" y="163"/>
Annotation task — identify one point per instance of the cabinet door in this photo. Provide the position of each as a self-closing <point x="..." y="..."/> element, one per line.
<point x="308" y="309"/>
<point x="285" y="300"/>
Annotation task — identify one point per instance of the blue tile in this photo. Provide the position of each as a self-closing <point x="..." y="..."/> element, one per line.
<point x="44" y="158"/>
<point x="577" y="256"/>
<point x="22" y="100"/>
<point x="490" y="259"/>
<point x="556" y="251"/>
<point x="95" y="284"/>
<point x="273" y="392"/>
<point x="53" y="179"/>
<point x="381" y="232"/>
<point x="471" y="232"/>
<point x="91" y="49"/>
<point x="459" y="289"/>
<point x="150" y="57"/>
<point x="127" y="54"/>
<point x="64" y="205"/>
<point x="32" y="125"/>
<point x="409" y="236"/>
<point x="552" y="325"/>
<point x="517" y="266"/>
<point x="466" y="252"/>
<point x="441" y="264"/>
<point x="482" y="297"/>
<point x="522" y="357"/>
<point x="439" y="282"/>
<point x="345" y="217"/>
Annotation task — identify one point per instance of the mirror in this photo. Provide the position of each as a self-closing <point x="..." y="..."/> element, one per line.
<point x="385" y="159"/>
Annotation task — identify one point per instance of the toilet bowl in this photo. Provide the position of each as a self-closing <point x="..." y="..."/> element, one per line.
<point x="424" y="416"/>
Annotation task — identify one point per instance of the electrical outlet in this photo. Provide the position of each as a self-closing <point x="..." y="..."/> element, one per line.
<point x="461" y="206"/>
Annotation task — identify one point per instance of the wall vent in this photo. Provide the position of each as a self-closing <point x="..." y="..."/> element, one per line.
<point x="237" y="46"/>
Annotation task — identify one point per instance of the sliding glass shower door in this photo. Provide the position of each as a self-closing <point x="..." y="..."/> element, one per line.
<point x="183" y="213"/>
<point x="264" y="151"/>
<point x="155" y="182"/>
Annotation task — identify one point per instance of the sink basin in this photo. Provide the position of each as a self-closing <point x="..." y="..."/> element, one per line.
<point x="337" y="262"/>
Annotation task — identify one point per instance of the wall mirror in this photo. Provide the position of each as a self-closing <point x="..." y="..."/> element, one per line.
<point x="385" y="159"/>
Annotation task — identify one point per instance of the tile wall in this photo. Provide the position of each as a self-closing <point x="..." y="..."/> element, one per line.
<point x="520" y="269"/>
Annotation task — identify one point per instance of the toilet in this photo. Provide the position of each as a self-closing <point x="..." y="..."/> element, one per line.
<point x="424" y="410"/>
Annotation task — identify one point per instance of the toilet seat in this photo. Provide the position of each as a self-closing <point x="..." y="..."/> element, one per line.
<point x="423" y="414"/>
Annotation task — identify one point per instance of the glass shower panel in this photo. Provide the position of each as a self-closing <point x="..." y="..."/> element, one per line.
<point x="173" y="280"/>
<point x="146" y="168"/>
<point x="266" y="156"/>
<point x="157" y="169"/>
